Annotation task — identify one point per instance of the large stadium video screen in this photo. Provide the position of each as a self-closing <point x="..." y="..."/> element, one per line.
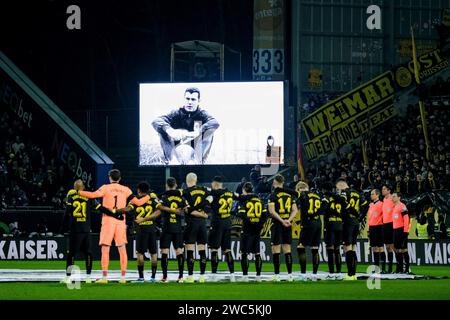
<point x="221" y="123"/>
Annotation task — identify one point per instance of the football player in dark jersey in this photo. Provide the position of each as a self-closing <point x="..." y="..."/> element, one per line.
<point x="283" y="210"/>
<point x="333" y="236"/>
<point x="198" y="205"/>
<point x="146" y="230"/>
<point x="220" y="232"/>
<point x="172" y="231"/>
<point x="253" y="214"/>
<point x="311" y="207"/>
<point x="355" y="205"/>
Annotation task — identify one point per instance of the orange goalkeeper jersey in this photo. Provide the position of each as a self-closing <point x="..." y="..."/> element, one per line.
<point x="114" y="196"/>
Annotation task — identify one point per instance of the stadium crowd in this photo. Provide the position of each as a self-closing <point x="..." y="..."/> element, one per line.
<point x="28" y="177"/>
<point x="397" y="156"/>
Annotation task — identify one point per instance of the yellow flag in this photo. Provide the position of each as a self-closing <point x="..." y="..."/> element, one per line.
<point x="421" y="105"/>
<point x="300" y="169"/>
<point x="416" y="64"/>
<point x="364" y="152"/>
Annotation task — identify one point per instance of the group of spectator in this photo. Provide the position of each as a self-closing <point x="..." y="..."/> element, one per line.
<point x="440" y="87"/>
<point x="397" y="156"/>
<point x="318" y="99"/>
<point x="27" y="176"/>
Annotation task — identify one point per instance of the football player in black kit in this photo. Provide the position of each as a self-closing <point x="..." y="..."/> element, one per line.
<point x="145" y="216"/>
<point x="78" y="215"/>
<point x="220" y="232"/>
<point x="283" y="210"/>
<point x="198" y="200"/>
<point x="311" y="207"/>
<point x="334" y="213"/>
<point x="352" y="216"/>
<point x="253" y="214"/>
<point x="171" y="228"/>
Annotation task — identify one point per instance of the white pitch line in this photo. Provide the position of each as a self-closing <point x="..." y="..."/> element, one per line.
<point x="22" y="275"/>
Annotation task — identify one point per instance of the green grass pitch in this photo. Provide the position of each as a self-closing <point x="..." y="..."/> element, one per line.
<point x="327" y="290"/>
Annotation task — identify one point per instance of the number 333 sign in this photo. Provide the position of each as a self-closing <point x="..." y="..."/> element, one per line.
<point x="268" y="64"/>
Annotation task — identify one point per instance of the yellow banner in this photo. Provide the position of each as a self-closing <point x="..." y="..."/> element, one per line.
<point x="423" y="46"/>
<point x="345" y="109"/>
<point x="346" y="118"/>
<point x="429" y="64"/>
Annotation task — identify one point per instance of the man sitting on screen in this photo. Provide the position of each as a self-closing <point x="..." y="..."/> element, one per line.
<point x="186" y="134"/>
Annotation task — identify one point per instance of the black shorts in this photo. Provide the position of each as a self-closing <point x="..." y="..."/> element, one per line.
<point x="250" y="242"/>
<point x="196" y="232"/>
<point x="171" y="237"/>
<point x="333" y="235"/>
<point x="80" y="242"/>
<point x="350" y="233"/>
<point x="400" y="239"/>
<point x="220" y="236"/>
<point x="376" y="236"/>
<point x="280" y="234"/>
<point x="388" y="233"/>
<point x="146" y="240"/>
<point x="310" y="233"/>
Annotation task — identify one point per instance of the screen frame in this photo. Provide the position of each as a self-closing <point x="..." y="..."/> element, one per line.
<point x="285" y="106"/>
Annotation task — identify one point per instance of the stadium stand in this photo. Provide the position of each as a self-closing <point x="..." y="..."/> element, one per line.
<point x="396" y="156"/>
<point x="27" y="176"/>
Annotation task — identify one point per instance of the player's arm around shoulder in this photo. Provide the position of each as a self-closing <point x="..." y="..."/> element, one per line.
<point x="93" y="194"/>
<point x="139" y="201"/>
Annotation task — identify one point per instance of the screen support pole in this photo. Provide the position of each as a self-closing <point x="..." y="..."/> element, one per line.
<point x="167" y="173"/>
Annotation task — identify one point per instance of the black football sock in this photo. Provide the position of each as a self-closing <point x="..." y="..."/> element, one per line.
<point x="202" y="254"/>
<point x="141" y="271"/>
<point x="383" y="261"/>
<point x="88" y="263"/>
<point x="302" y="259"/>
<point x="315" y="260"/>
<point x="276" y="263"/>
<point x="348" y="261"/>
<point x="69" y="262"/>
<point x="214" y="261"/>
<point x="230" y="261"/>
<point x="390" y="256"/>
<point x="180" y="260"/>
<point x="288" y="258"/>
<point x="154" y="268"/>
<point x="258" y="264"/>
<point x="164" y="264"/>
<point x="338" y="260"/>
<point x="244" y="264"/>
<point x="354" y="263"/>
<point x="330" y="254"/>
<point x="376" y="259"/>
<point x="399" y="267"/>
<point x="190" y="262"/>
<point x="406" y="260"/>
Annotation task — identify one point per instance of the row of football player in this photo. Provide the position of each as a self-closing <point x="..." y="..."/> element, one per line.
<point x="342" y="212"/>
